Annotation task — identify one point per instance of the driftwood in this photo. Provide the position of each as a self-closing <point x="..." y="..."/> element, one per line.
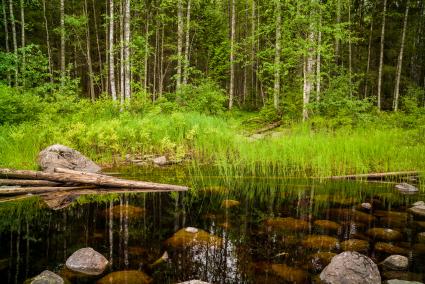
<point x="70" y="176"/>
<point x="268" y="127"/>
<point x="41" y="189"/>
<point x="29" y="182"/>
<point x="376" y="175"/>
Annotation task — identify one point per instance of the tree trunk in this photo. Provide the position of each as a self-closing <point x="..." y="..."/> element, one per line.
<point x="32" y="182"/>
<point x="99" y="54"/>
<point x="15" y="44"/>
<point x="338" y="21"/>
<point x="49" y="51"/>
<point x="88" y="46"/>
<point x="121" y="45"/>
<point x="400" y="59"/>
<point x="319" y="60"/>
<point x="23" y="41"/>
<point x="276" y="92"/>
<point x="161" y="65"/>
<point x="6" y="34"/>
<point x="308" y="74"/>
<point x="187" y="45"/>
<point x="253" y="31"/>
<point x="350" y="71"/>
<point x="127" y="69"/>
<point x="107" y="80"/>
<point x="179" y="44"/>
<point x="145" y="83"/>
<point x="368" y="59"/>
<point x="232" y="53"/>
<point x="65" y="175"/>
<point x="62" y="36"/>
<point x="381" y="55"/>
<point x="111" y="51"/>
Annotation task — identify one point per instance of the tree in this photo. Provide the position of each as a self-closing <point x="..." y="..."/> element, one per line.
<point x="15" y="44"/>
<point x="111" y="51"/>
<point x="6" y="34"/>
<point x="127" y="87"/>
<point x="62" y="36"/>
<point x="381" y="54"/>
<point x="49" y="51"/>
<point x="400" y="60"/>
<point x="88" y="50"/>
<point x="276" y="92"/>
<point x="232" y="53"/>
<point x="179" y="44"/>
<point x="187" y="45"/>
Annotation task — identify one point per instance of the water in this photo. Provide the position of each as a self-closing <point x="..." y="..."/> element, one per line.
<point x="276" y="234"/>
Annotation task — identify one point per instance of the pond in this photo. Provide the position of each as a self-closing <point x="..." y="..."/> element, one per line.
<point x="225" y="230"/>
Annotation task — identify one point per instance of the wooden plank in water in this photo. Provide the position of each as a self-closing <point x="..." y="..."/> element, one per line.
<point x="376" y="175"/>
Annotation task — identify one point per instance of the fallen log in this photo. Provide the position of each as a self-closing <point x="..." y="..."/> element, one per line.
<point x="88" y="179"/>
<point x="376" y="175"/>
<point x="267" y="127"/>
<point x="41" y="189"/>
<point x="29" y="182"/>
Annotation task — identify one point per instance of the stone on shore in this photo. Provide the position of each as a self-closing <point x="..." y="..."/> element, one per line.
<point x="60" y="156"/>
<point x="396" y="262"/>
<point x="46" y="277"/>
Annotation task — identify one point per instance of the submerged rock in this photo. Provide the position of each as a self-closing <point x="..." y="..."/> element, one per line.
<point x="229" y="203"/>
<point x="390" y="248"/>
<point x="395" y="262"/>
<point x="418" y="210"/>
<point x="87" y="261"/>
<point x="351" y="268"/>
<point x="60" y="156"/>
<point x="126" y="276"/>
<point x="406" y="188"/>
<point x="418" y="203"/>
<point x="421" y="237"/>
<point x="185" y="237"/>
<point x="327" y="225"/>
<point x="366" y="205"/>
<point x="355" y="245"/>
<point x="320" y="242"/>
<point x="290" y="274"/>
<point x="288" y="223"/>
<point x="384" y="234"/>
<point x="46" y="277"/>
<point x="318" y="261"/>
<point x="350" y="215"/>
<point x="132" y="212"/>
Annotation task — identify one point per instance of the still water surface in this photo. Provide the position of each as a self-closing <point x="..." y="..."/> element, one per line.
<point x="249" y="230"/>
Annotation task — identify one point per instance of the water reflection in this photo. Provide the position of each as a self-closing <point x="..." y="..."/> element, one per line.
<point x="224" y="231"/>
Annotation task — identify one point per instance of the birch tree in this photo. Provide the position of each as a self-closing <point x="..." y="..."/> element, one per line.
<point x="232" y="53"/>
<point x="381" y="54"/>
<point x="6" y="34"/>
<point x="276" y="92"/>
<point x="49" y="51"/>
<point x="62" y="37"/>
<point x="127" y="75"/>
<point x="179" y="44"/>
<point x="14" y="40"/>
<point x="400" y="60"/>
<point x="111" y="51"/>
<point x="187" y="45"/>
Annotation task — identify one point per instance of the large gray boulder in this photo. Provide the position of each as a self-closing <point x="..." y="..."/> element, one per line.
<point x="60" y="156"/>
<point x="87" y="261"/>
<point x="351" y="268"/>
<point x="47" y="277"/>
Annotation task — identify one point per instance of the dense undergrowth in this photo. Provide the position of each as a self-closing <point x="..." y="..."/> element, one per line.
<point x="331" y="145"/>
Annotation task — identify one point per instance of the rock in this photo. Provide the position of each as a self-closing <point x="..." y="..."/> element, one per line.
<point x="288" y="223"/>
<point x="320" y="242"/>
<point x="391" y="214"/>
<point x="126" y="276"/>
<point x="160" y="161"/>
<point x="418" y="210"/>
<point x="384" y="234"/>
<point x="47" y="277"/>
<point x="290" y="274"/>
<point x="192" y="230"/>
<point x="418" y="203"/>
<point x="389" y="248"/>
<point x="189" y="238"/>
<point x="87" y="261"/>
<point x="397" y="281"/>
<point x="59" y="156"/>
<point x="228" y="203"/>
<point x="406" y="188"/>
<point x="350" y="215"/>
<point x="366" y="205"/>
<point x="132" y="212"/>
<point x="327" y="225"/>
<point x="419" y="248"/>
<point x="396" y="262"/>
<point x="351" y="268"/>
<point x="194" y="282"/>
<point x="355" y="245"/>
<point x="318" y="261"/>
<point x="421" y="237"/>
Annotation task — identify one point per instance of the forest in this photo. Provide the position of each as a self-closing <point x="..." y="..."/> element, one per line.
<point x="343" y="80"/>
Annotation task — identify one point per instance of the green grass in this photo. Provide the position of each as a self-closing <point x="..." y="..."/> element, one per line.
<point x="217" y="141"/>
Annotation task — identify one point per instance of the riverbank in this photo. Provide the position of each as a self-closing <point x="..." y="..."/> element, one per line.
<point x="224" y="141"/>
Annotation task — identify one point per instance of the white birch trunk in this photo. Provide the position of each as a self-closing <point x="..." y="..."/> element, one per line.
<point x="179" y="44"/>
<point x="6" y="34"/>
<point x="62" y="37"/>
<point x="400" y="60"/>
<point x="111" y="51"/>
<point x="14" y="40"/>
<point x="276" y="90"/>
<point x="308" y="76"/>
<point x="369" y="49"/>
<point x="319" y="60"/>
<point x="232" y="53"/>
<point x="127" y="62"/>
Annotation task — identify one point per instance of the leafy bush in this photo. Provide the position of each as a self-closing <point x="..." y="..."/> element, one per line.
<point x="16" y="107"/>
